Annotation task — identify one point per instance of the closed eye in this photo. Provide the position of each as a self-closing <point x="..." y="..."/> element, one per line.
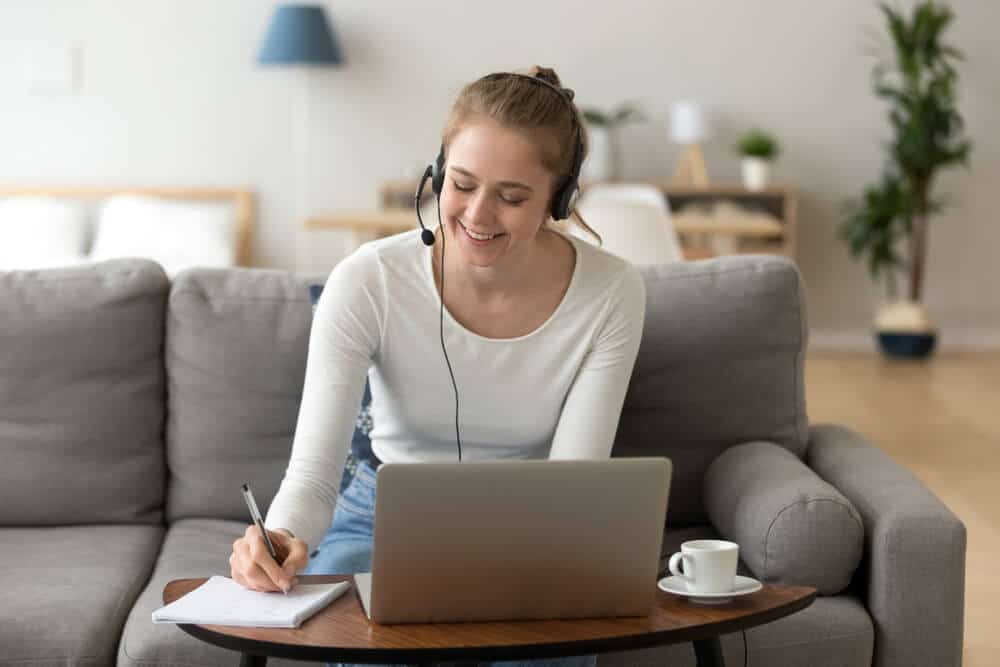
<point x="470" y="188"/>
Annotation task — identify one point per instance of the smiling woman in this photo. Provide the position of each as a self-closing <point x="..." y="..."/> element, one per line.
<point x="537" y="330"/>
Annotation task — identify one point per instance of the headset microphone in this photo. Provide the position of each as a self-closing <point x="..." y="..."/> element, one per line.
<point x="427" y="236"/>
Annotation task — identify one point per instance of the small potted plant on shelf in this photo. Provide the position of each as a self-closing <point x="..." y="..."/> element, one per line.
<point x="757" y="148"/>
<point x="888" y="226"/>
<point x="603" y="161"/>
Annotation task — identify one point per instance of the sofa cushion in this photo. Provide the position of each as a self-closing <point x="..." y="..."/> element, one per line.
<point x="82" y="394"/>
<point x="720" y="364"/>
<point x="791" y="525"/>
<point x="67" y="591"/>
<point x="236" y="346"/>
<point x="191" y="548"/>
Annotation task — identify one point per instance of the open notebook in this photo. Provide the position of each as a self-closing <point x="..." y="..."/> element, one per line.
<point x="222" y="601"/>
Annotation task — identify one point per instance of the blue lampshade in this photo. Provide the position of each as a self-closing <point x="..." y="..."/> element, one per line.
<point x="300" y="34"/>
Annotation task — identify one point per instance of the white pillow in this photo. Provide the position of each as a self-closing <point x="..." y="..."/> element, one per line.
<point x="41" y="232"/>
<point x="177" y="234"/>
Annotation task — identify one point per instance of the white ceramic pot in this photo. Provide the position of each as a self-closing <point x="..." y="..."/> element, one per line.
<point x="754" y="173"/>
<point x="601" y="159"/>
<point x="904" y="329"/>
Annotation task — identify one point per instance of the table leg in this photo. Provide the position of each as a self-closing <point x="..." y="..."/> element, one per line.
<point x="708" y="653"/>
<point x="247" y="660"/>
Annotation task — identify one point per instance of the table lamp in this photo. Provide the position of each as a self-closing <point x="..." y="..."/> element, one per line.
<point x="689" y="127"/>
<point x="300" y="36"/>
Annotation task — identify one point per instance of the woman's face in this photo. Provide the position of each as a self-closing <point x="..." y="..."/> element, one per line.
<point x="496" y="192"/>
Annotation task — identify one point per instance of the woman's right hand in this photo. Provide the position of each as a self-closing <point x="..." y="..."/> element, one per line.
<point x="252" y="567"/>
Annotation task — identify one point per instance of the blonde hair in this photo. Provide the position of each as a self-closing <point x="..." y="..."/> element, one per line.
<point x="516" y="102"/>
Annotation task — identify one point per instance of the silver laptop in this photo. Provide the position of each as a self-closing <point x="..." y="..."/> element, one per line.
<point x="515" y="540"/>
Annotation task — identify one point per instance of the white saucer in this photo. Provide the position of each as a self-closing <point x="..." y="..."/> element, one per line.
<point x="677" y="586"/>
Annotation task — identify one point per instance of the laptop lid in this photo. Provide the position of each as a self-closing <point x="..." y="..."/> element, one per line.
<point x="513" y="540"/>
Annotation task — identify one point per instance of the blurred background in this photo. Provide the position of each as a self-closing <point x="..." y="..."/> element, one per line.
<point x="172" y="93"/>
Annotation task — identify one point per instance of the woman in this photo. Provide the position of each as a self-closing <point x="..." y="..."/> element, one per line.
<point x="539" y="328"/>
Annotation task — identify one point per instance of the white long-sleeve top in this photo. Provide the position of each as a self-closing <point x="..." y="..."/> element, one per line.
<point x="556" y="392"/>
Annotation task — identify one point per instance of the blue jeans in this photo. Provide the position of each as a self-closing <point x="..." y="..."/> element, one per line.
<point x="346" y="548"/>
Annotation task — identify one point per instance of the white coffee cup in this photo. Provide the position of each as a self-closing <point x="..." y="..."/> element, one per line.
<point x="709" y="565"/>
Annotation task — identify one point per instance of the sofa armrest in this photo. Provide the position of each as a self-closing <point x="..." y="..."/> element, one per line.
<point x="914" y="565"/>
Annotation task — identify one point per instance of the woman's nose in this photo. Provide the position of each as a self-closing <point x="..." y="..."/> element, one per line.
<point x="478" y="206"/>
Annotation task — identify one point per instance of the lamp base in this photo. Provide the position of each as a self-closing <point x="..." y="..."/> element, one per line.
<point x="690" y="170"/>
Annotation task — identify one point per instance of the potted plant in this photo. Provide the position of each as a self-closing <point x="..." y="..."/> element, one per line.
<point x="888" y="225"/>
<point x="603" y="161"/>
<point x="757" y="148"/>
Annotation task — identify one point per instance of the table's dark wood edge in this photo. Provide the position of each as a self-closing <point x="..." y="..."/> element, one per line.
<point x="518" y="652"/>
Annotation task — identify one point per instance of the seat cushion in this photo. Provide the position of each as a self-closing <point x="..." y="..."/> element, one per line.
<point x="67" y="591"/>
<point x="831" y="632"/>
<point x="191" y="548"/>
<point x="82" y="395"/>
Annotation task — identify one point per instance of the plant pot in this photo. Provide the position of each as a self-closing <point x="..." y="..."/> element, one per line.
<point x="755" y="172"/>
<point x="904" y="330"/>
<point x="602" y="158"/>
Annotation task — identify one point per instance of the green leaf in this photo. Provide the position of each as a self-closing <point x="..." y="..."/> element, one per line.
<point x="758" y="143"/>
<point x="596" y="117"/>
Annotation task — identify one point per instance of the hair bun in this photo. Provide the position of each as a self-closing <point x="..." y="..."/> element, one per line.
<point x="547" y="74"/>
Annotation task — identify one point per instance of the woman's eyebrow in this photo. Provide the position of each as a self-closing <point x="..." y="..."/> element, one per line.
<point x="506" y="184"/>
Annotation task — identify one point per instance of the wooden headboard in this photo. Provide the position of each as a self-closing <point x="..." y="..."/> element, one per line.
<point x="242" y="201"/>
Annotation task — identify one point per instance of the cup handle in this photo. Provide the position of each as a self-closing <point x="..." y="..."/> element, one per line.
<point x="678" y="559"/>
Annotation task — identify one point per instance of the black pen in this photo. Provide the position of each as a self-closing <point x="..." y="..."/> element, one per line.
<point x="256" y="518"/>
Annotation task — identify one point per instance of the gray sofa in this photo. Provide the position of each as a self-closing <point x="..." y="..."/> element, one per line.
<point x="132" y="408"/>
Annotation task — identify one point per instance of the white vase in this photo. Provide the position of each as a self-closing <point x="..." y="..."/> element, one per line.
<point x="754" y="173"/>
<point x="601" y="162"/>
<point x="904" y="329"/>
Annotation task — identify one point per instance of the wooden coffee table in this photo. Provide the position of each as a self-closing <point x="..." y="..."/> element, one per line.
<point x="342" y="633"/>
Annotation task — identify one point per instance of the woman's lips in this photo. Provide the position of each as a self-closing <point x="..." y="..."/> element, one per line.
<point x="476" y="240"/>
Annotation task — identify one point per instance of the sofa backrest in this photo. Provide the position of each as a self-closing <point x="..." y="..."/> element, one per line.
<point x="99" y="370"/>
<point x="82" y="394"/>
<point x="236" y="346"/>
<point x="720" y="363"/>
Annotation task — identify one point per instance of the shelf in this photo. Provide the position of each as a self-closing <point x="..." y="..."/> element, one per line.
<point x="728" y="229"/>
<point x="378" y="222"/>
<point x="775" y="203"/>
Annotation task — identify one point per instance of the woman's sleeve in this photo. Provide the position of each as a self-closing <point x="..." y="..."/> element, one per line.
<point x="589" y="419"/>
<point x="345" y="336"/>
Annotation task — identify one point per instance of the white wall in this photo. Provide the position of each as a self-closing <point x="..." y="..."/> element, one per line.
<point x="169" y="93"/>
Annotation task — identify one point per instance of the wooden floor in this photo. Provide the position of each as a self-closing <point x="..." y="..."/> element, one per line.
<point x="940" y="419"/>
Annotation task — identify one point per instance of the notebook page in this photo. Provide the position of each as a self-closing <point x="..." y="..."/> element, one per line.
<point x="222" y="601"/>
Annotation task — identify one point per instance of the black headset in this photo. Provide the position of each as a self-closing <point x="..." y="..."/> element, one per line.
<point x="563" y="199"/>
